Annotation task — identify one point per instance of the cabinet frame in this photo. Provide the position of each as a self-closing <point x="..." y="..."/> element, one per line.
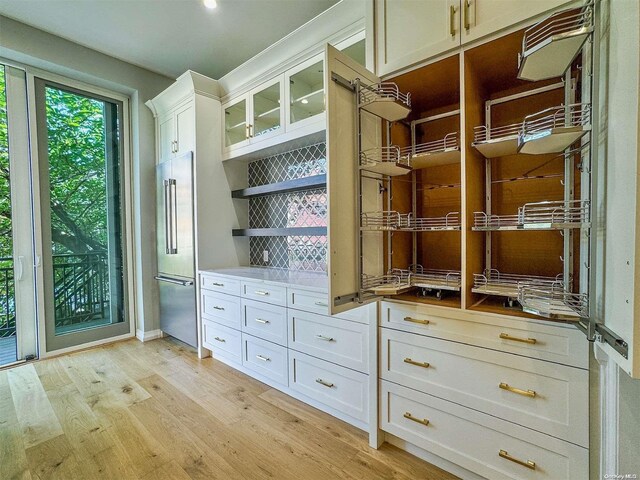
<point x="320" y="117"/>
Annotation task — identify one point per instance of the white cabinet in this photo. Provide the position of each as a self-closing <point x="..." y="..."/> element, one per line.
<point x="176" y="132"/>
<point x="305" y="93"/>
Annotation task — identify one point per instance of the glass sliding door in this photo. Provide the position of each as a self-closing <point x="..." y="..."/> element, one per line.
<point x="82" y="203"/>
<point x="17" y="291"/>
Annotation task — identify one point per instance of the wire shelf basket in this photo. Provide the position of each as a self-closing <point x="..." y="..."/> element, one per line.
<point x="385" y="100"/>
<point x="493" y="282"/>
<point x="385" y="220"/>
<point x="554" y="129"/>
<point x="399" y="280"/>
<point x="554" y="302"/>
<point x="437" y="152"/>
<point x="436" y="279"/>
<point x="384" y="160"/>
<point x="451" y="221"/>
<point x="552" y="215"/>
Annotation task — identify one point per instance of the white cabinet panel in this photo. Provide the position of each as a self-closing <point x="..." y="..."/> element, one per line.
<point x="222" y="341"/>
<point x="220" y="284"/>
<point x="185" y="135"/>
<point x="166" y="137"/>
<point x="274" y="294"/>
<point x="221" y="308"/>
<point x="474" y="440"/>
<point x="411" y="31"/>
<point x="265" y="358"/>
<point x="265" y="321"/>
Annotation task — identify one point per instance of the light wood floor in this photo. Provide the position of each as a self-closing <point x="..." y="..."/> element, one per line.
<point x="154" y="411"/>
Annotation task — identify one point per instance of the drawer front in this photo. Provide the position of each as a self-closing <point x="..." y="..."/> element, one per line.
<point x="265" y="358"/>
<point x="335" y="386"/>
<point x="522" y="337"/>
<point x="330" y="338"/>
<point x="220" y="284"/>
<point x="273" y="294"/>
<point x="265" y="321"/>
<point x="317" y="302"/>
<point x="221" y="308"/>
<point x="222" y="341"/>
<point x="474" y="440"/>
<point x="547" y="397"/>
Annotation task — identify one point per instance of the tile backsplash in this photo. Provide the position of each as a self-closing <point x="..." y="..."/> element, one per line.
<point x="306" y="208"/>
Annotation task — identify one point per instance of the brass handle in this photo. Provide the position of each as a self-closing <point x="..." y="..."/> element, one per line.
<point x="220" y="339"/>
<point x="529" y="464"/>
<point x="322" y="382"/>
<point x="506" y="336"/>
<point x="465" y="4"/>
<point x="422" y="421"/>
<point x="326" y="339"/>
<point x="519" y="391"/>
<point x="452" y="16"/>
<point x="322" y="304"/>
<point x="264" y="359"/>
<point x="417" y="320"/>
<point x="417" y="364"/>
<point x="246" y="130"/>
<point x="217" y="308"/>
<point x="250" y="130"/>
<point x="260" y="320"/>
<point x="261" y="292"/>
<point x="217" y="284"/>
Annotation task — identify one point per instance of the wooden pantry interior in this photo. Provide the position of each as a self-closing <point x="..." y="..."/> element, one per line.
<point x="473" y="179"/>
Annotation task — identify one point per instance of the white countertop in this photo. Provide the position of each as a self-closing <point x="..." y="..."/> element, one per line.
<point x="317" y="281"/>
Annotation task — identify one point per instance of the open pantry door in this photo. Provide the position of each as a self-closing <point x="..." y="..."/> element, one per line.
<point x="350" y="255"/>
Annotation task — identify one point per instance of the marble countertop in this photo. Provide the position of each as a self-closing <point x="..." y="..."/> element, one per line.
<point x="317" y="281"/>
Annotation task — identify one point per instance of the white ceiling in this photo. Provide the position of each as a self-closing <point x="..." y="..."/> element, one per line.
<point x="169" y="36"/>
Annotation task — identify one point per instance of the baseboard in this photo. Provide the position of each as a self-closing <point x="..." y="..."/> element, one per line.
<point x="150" y="335"/>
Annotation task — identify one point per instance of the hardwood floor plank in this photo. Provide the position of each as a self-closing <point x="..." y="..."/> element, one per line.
<point x="33" y="410"/>
<point x="55" y="459"/>
<point x="52" y="374"/>
<point x="168" y="471"/>
<point x="13" y="460"/>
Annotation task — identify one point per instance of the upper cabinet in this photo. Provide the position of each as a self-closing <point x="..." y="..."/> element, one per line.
<point x="411" y="31"/>
<point x="305" y="92"/>
<point x="176" y="132"/>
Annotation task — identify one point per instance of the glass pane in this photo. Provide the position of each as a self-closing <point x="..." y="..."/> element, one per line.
<point x="266" y="110"/>
<point x="356" y="52"/>
<point x="85" y="208"/>
<point x="307" y="92"/>
<point x="8" y="352"/>
<point x="235" y="122"/>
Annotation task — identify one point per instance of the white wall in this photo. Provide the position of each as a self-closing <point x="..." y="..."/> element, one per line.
<point x="32" y="47"/>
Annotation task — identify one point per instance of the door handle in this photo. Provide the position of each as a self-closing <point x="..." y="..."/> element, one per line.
<point x="174" y="216"/>
<point x="19" y="267"/>
<point x="175" y="281"/>
<point x="167" y="240"/>
<point x="465" y="7"/>
<point x="452" y="17"/>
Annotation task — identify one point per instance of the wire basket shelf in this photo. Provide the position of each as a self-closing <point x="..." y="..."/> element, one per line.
<point x="494" y="282"/>
<point x="553" y="215"/>
<point x="553" y="302"/>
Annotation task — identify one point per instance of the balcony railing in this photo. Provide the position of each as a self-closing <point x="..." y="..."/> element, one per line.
<point x="81" y="290"/>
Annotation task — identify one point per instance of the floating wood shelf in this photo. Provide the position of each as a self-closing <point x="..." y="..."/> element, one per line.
<point x="280" y="232"/>
<point x="306" y="183"/>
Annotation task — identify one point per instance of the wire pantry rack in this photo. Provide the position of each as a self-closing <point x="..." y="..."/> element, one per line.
<point x="496" y="141"/>
<point x="554" y="129"/>
<point x="436" y="279"/>
<point x="437" y="152"/>
<point x="556" y="215"/>
<point x="385" y="220"/>
<point x="549" y="47"/>
<point x="390" y="220"/>
<point x="554" y="302"/>
<point x="493" y="282"/>
<point x="399" y="280"/>
<point x="451" y="221"/>
<point x="385" y="100"/>
<point x="390" y="284"/>
<point x="385" y="161"/>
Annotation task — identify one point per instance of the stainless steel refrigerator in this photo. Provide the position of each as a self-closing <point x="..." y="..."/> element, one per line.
<point x="175" y="245"/>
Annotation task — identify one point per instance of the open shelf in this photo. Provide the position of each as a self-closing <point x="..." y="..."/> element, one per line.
<point x="298" y="184"/>
<point x="554" y="303"/>
<point x="444" y="151"/>
<point x="497" y="141"/>
<point x="385" y="100"/>
<point x="384" y="161"/>
<point x="557" y="215"/>
<point x="554" y="129"/>
<point x="280" y="232"/>
<point x="550" y="46"/>
<point x="399" y="281"/>
<point x="493" y="282"/>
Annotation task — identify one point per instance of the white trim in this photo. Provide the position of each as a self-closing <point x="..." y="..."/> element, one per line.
<point x="84" y="346"/>
<point x="609" y="393"/>
<point x="150" y="335"/>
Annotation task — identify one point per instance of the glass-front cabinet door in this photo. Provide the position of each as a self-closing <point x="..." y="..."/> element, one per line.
<point x="305" y="93"/>
<point x="268" y="111"/>
<point x="236" y="127"/>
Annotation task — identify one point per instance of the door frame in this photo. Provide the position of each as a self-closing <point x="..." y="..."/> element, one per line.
<point x="129" y="256"/>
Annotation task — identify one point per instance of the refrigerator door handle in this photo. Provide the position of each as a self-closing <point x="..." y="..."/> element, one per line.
<point x="175" y="281"/>
<point x="167" y="238"/>
<point x="174" y="212"/>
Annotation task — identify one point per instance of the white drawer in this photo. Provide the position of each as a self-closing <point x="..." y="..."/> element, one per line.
<point x="265" y="321"/>
<point x="265" y="358"/>
<point x="474" y="440"/>
<point x="221" y="308"/>
<point x="274" y="294"/>
<point x="317" y="302"/>
<point x="335" y="386"/>
<point x="220" y="284"/>
<point x="222" y="341"/>
<point x="546" y="342"/>
<point x="330" y="338"/>
<point x="548" y="397"/>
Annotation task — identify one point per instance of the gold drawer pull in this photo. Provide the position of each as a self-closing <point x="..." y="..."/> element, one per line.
<point x="322" y="304"/>
<point x="322" y="382"/>
<point x="264" y="359"/>
<point x="261" y="292"/>
<point x="422" y="421"/>
<point x="519" y="391"/>
<point x="529" y="464"/>
<point x="417" y="320"/>
<point x="260" y="320"/>
<point x="215" y="284"/>
<point x="417" y="364"/>
<point x="217" y="308"/>
<point x="220" y="339"/>
<point x="326" y="339"/>
<point x="506" y="336"/>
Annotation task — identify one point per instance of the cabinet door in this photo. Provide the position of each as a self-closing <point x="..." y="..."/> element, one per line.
<point x="411" y="31"/>
<point x="235" y="124"/>
<point x="305" y="93"/>
<point x="185" y="129"/>
<point x="267" y="111"/>
<point x="342" y="183"/>
<point x="166" y="137"/>
<point x="484" y="17"/>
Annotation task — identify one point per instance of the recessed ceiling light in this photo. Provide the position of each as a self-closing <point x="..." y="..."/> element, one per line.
<point x="304" y="100"/>
<point x="210" y="4"/>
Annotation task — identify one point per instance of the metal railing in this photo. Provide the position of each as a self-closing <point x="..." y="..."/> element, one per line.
<point x="7" y="299"/>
